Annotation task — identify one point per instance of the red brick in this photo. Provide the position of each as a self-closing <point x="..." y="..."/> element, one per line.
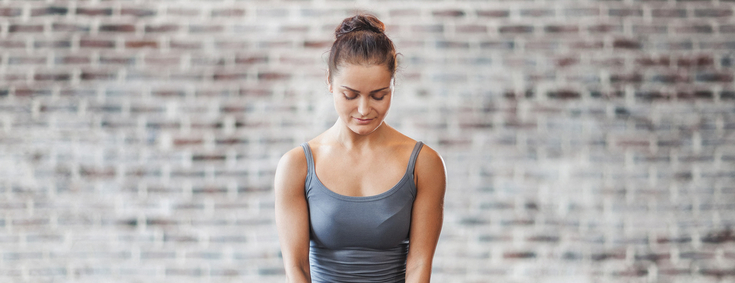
<point x="229" y="76"/>
<point x="605" y="28"/>
<point x="183" y="12"/>
<point x="516" y="29"/>
<point x="471" y="29"/>
<point x="159" y="60"/>
<point x="54" y="44"/>
<point x="650" y="29"/>
<point x="12" y="77"/>
<point x="695" y="61"/>
<point x="668" y="13"/>
<point x="448" y="13"/>
<point x="232" y="44"/>
<point x="390" y="29"/>
<point x="671" y="78"/>
<point x="51" y="76"/>
<point x="563" y="94"/>
<point x="713" y="13"/>
<point x="117" y="60"/>
<point x="282" y="44"/>
<point x="582" y="12"/>
<point x="25" y="91"/>
<point x="273" y="76"/>
<point x="626" y="44"/>
<point x="161" y="28"/>
<point x="96" y="43"/>
<point x="555" y="29"/>
<point x="187" y="76"/>
<point x="228" y="13"/>
<point x="537" y="13"/>
<point x="715" y="77"/>
<point x="11" y="12"/>
<point x="567" y="61"/>
<point x="297" y="60"/>
<point x="727" y="28"/>
<point x="202" y="60"/>
<point x="519" y="255"/>
<point x="254" y="92"/>
<point x="446" y="44"/>
<point x="31" y="28"/>
<point x="94" y="11"/>
<point x="626" y="78"/>
<point x="695" y="28"/>
<point x="625" y="12"/>
<point x="294" y="29"/>
<point x="586" y="45"/>
<point x="503" y="45"/>
<point x="324" y="44"/>
<point x="405" y="13"/>
<point x="717" y="272"/>
<point x="45" y="11"/>
<point x="649" y="61"/>
<point x="251" y="59"/>
<point x="12" y="44"/>
<point x="427" y="28"/>
<point x="62" y="27"/>
<point x="206" y="29"/>
<point x="117" y="28"/>
<point x="187" y="45"/>
<point x="26" y="60"/>
<point x="71" y="60"/>
<point x="169" y="93"/>
<point x="137" y="12"/>
<point x="493" y="13"/>
<point x="98" y="75"/>
<point x="141" y="44"/>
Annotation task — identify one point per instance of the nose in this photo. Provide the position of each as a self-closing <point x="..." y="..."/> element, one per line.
<point x="364" y="107"/>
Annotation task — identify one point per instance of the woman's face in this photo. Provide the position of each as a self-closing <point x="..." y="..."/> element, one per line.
<point x="362" y="96"/>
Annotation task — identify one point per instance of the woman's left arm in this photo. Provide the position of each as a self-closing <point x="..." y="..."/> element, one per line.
<point x="427" y="216"/>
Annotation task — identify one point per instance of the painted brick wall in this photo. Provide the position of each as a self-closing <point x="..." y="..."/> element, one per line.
<point x="585" y="141"/>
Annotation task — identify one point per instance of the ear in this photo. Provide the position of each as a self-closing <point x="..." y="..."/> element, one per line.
<point x="329" y="84"/>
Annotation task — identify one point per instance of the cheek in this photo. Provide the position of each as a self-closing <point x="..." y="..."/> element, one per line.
<point x="341" y="105"/>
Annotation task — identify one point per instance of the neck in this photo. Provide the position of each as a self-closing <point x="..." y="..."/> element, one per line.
<point x="350" y="140"/>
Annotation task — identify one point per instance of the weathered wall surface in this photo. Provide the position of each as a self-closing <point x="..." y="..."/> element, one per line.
<point x="585" y="141"/>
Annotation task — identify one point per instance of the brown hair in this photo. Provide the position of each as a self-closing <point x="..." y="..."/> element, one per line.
<point x="361" y="40"/>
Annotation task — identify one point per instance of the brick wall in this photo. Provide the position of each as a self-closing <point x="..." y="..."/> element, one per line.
<point x="585" y="141"/>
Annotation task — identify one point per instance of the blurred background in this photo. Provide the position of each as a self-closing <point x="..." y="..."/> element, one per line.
<point x="585" y="141"/>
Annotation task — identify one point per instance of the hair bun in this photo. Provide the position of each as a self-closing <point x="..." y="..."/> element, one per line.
<point x="359" y="23"/>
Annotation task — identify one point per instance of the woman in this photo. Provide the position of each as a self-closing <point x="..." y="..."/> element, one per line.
<point x="374" y="184"/>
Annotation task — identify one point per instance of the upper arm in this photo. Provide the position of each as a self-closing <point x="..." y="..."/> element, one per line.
<point x="427" y="215"/>
<point x="292" y="215"/>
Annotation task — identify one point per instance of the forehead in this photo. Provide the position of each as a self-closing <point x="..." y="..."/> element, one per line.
<point x="363" y="77"/>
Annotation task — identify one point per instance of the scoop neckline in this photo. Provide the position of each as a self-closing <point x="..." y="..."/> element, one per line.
<point x="362" y="198"/>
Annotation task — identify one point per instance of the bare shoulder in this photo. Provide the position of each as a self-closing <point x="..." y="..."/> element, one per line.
<point x="430" y="172"/>
<point x="292" y="169"/>
<point x="430" y="161"/>
<point x="294" y="156"/>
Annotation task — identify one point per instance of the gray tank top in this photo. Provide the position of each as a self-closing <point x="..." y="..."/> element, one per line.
<point x="359" y="239"/>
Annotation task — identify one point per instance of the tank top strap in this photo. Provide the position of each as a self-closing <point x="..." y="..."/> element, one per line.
<point x="414" y="156"/>
<point x="309" y="161"/>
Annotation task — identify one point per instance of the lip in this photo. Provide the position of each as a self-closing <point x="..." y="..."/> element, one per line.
<point x="363" y="121"/>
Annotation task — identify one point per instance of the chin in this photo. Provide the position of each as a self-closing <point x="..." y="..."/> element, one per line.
<point x="364" y="129"/>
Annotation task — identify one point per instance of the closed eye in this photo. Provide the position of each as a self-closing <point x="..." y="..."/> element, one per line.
<point x="349" y="97"/>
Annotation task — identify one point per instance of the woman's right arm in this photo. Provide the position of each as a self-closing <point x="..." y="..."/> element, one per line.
<point x="292" y="215"/>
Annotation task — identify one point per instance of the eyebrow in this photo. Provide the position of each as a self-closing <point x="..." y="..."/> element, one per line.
<point x="358" y="92"/>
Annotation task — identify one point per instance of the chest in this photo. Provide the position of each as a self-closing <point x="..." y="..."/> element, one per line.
<point x="360" y="175"/>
